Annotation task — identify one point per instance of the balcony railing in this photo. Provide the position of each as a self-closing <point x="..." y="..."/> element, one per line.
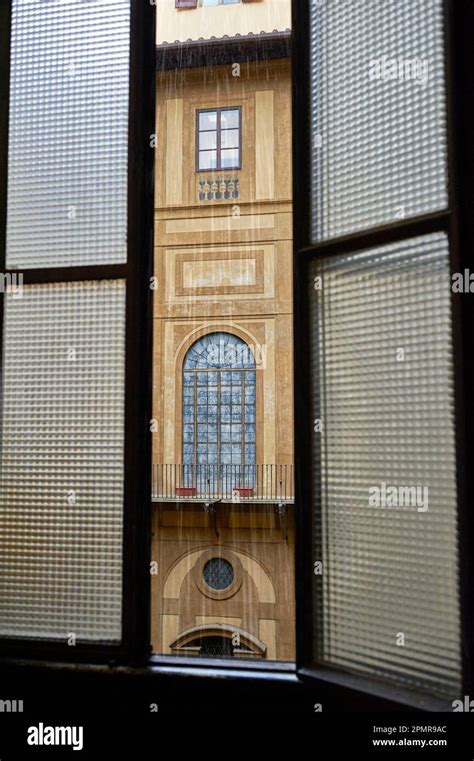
<point x="227" y="483"/>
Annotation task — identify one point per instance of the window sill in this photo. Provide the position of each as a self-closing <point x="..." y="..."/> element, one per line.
<point x="404" y="699"/>
<point x="337" y="692"/>
<point x="221" y="667"/>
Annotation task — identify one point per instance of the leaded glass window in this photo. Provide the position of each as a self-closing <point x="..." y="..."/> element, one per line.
<point x="219" y="402"/>
<point x="214" y="647"/>
<point x="218" y="573"/>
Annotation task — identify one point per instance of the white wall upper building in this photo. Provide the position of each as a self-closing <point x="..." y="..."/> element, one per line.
<point x="217" y="18"/>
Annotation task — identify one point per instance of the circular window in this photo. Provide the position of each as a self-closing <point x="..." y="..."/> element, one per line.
<point x="218" y="573"/>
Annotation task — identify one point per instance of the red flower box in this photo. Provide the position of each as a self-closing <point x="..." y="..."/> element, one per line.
<point x="185" y="491"/>
<point x="243" y="491"/>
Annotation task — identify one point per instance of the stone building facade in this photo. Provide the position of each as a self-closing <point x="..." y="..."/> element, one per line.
<point x="223" y="511"/>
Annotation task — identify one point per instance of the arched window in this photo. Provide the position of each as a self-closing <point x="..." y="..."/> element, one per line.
<point x="214" y="640"/>
<point x="219" y="402"/>
<point x="215" y="647"/>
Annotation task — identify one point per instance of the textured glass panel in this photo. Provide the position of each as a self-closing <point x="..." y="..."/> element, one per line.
<point x="249" y="413"/>
<point x="188" y="412"/>
<point x="249" y="432"/>
<point x="384" y="467"/>
<point x="188" y="433"/>
<point x="236" y="453"/>
<point x="67" y="164"/>
<point x="212" y="414"/>
<point x="61" y="479"/>
<point x="236" y="433"/>
<point x="378" y="113"/>
<point x="250" y="395"/>
<point x="236" y="396"/>
<point x="202" y="433"/>
<point x="250" y="452"/>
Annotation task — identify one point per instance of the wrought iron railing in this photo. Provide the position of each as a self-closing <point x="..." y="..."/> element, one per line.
<point x="273" y="483"/>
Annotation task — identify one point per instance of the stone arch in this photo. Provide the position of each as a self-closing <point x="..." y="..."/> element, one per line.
<point x="222" y="327"/>
<point x="247" y="641"/>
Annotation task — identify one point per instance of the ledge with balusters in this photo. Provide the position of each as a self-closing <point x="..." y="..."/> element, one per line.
<point x="271" y="483"/>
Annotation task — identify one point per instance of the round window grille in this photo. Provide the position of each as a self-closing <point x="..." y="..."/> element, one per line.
<point x="218" y="573"/>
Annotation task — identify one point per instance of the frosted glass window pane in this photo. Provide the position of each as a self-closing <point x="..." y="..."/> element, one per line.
<point x="379" y="144"/>
<point x="382" y="379"/>
<point x="68" y="134"/>
<point x="61" y="477"/>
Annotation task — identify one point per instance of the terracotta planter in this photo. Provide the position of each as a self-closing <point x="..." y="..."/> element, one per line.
<point x="243" y="491"/>
<point x="185" y="491"/>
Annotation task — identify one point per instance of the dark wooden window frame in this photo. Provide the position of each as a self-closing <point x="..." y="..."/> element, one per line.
<point x="219" y="130"/>
<point x="136" y="272"/>
<point x="340" y="691"/>
<point x="458" y="223"/>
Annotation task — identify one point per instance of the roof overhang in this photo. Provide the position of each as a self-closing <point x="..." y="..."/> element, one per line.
<point x="219" y="51"/>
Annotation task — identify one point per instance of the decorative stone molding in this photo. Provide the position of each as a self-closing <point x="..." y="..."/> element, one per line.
<point x="218" y="189"/>
<point x="198" y="573"/>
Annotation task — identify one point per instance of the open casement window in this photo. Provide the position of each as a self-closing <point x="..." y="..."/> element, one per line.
<point x="381" y="547"/>
<point x="75" y="376"/>
<point x="382" y="189"/>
